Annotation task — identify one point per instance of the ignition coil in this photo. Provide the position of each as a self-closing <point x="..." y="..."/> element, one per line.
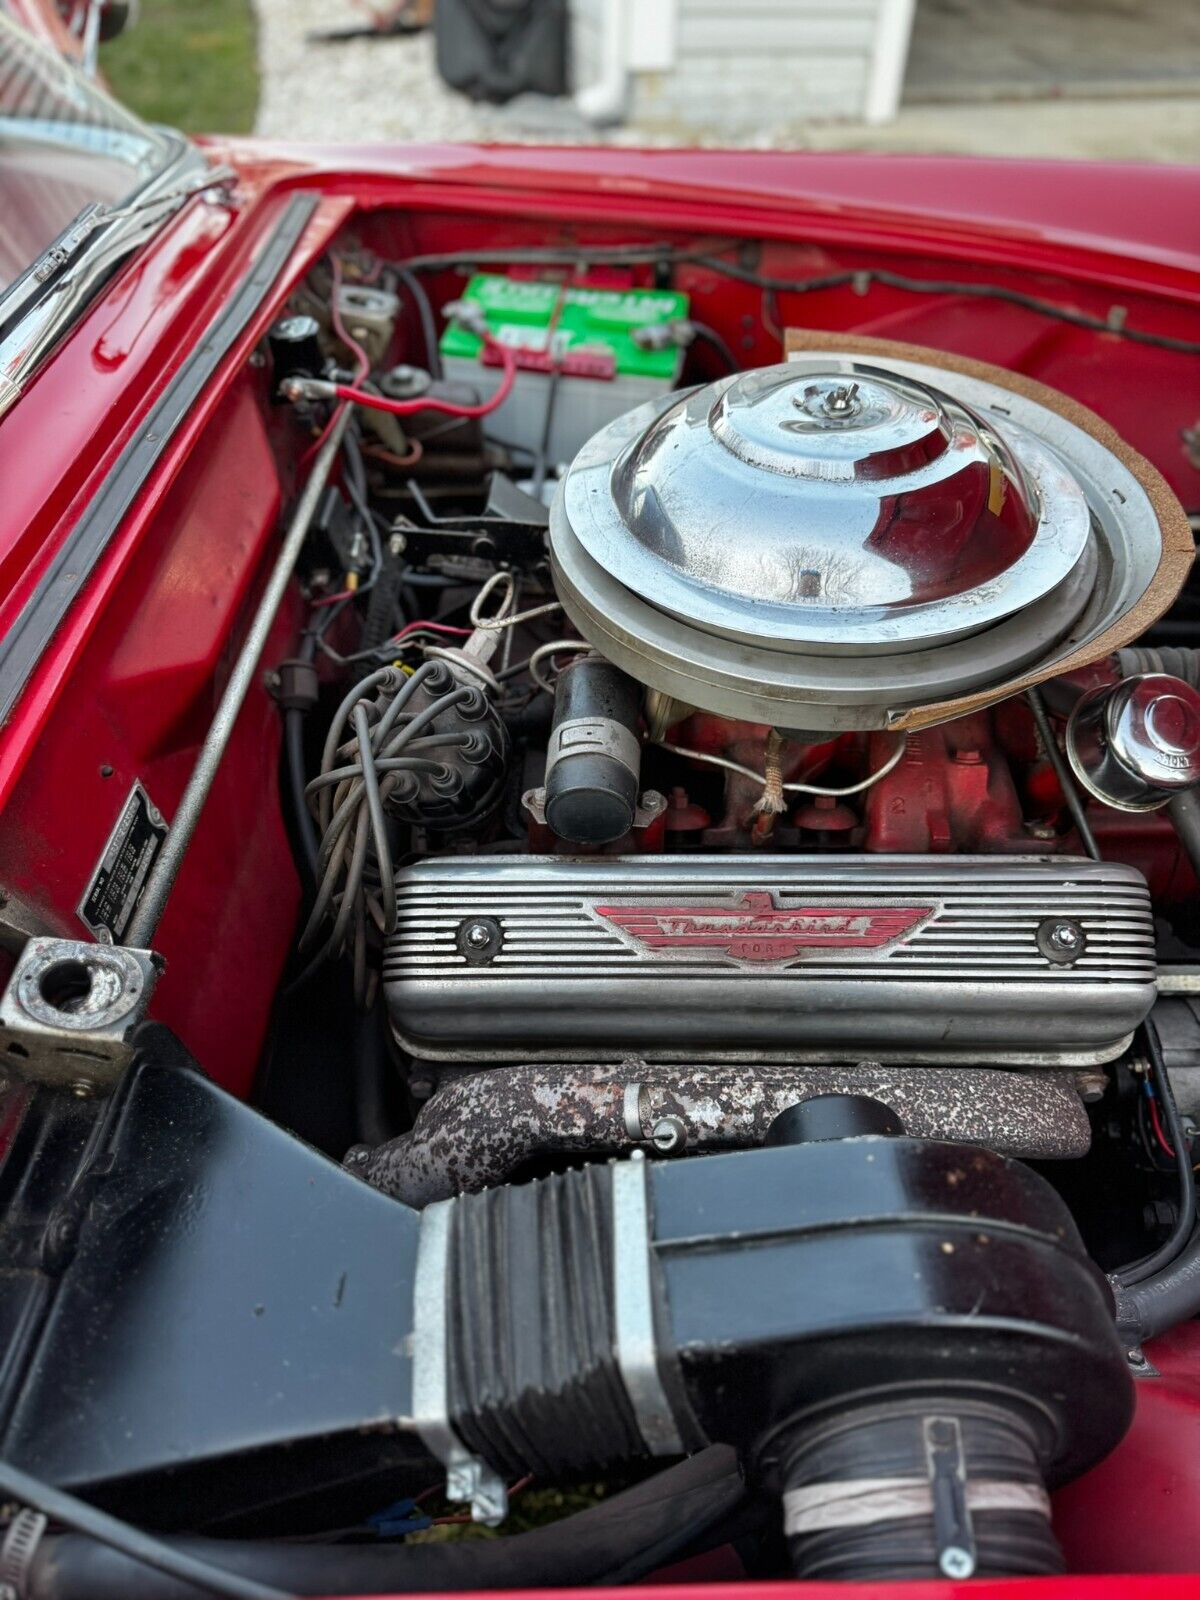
<point x="594" y="759"/>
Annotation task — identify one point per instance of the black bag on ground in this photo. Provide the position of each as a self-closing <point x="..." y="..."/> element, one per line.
<point x="496" y="49"/>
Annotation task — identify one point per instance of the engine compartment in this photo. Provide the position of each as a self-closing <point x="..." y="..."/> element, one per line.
<point x="610" y="863"/>
<point x="675" y="727"/>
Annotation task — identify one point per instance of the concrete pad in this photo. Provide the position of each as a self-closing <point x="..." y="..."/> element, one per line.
<point x="372" y="89"/>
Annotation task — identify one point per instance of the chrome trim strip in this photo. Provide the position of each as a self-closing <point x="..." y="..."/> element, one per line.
<point x="468" y="1478"/>
<point x="429" y="1404"/>
<point x="633" y="1309"/>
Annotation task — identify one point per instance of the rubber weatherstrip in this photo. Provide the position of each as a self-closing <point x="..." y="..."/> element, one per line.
<point x="72" y="565"/>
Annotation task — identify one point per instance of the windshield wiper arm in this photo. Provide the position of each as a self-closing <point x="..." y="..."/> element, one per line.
<point x="35" y="311"/>
<point x="68" y="245"/>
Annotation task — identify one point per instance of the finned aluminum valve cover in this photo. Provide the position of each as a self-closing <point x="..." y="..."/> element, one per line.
<point x="856" y="541"/>
<point x="898" y="958"/>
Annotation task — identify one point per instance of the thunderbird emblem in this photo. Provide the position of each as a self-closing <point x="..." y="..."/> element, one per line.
<point x="754" y="931"/>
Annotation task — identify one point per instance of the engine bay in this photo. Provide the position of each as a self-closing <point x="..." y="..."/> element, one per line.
<point x="742" y="781"/>
<point x="688" y="741"/>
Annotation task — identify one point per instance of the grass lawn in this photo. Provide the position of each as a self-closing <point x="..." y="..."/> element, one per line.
<point x="190" y="63"/>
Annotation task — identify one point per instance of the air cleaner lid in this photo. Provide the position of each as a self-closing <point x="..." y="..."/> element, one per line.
<point x="867" y="537"/>
<point x="813" y="510"/>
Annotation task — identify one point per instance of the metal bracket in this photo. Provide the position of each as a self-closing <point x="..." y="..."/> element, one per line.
<point x="595" y="736"/>
<point x="633" y="1309"/>
<point x="69" y="1010"/>
<point x="468" y="1479"/>
<point x="947" y="1469"/>
<point x="19" y="923"/>
<point x="1140" y="1365"/>
<point x="667" y="1135"/>
<point x="650" y="807"/>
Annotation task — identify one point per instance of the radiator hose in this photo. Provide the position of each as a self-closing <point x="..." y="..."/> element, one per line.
<point x="688" y="1508"/>
<point x="1158" y="1294"/>
<point x="1162" y="1302"/>
<point x="900" y="1489"/>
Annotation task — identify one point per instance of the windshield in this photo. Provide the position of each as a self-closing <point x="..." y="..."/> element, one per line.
<point x="63" y="145"/>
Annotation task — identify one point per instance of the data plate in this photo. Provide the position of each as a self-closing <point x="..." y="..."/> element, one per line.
<point x="116" y="885"/>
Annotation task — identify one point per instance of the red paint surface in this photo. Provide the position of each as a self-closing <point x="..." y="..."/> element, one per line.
<point x="1126" y="1587"/>
<point x="1139" y="1511"/>
<point x="134" y="675"/>
<point x="977" y="785"/>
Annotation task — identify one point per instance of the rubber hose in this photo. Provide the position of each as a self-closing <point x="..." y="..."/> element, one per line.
<point x="371" y="1067"/>
<point x="683" y="1510"/>
<point x="293" y="746"/>
<point x="856" y="1454"/>
<point x="1162" y="1302"/>
<point x="710" y="336"/>
<point x="1179" y="661"/>
<point x="381" y="605"/>
<point x="429" y="338"/>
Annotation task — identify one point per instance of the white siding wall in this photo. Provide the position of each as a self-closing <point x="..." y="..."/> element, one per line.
<point x="587" y="45"/>
<point x="747" y="65"/>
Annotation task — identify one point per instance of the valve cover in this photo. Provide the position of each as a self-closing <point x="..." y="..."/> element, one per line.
<point x="1023" y="961"/>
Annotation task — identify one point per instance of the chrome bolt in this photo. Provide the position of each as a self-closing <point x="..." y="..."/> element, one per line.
<point x="480" y="939"/>
<point x="668" y="1135"/>
<point x="82" y="1089"/>
<point x="1061" y="941"/>
<point x="1091" y="1086"/>
<point x="955" y="1562"/>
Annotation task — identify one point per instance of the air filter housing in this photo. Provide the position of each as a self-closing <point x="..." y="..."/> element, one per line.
<point x="855" y="539"/>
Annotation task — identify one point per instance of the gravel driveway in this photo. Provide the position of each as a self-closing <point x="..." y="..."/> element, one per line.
<point x="368" y="89"/>
<point x="377" y="88"/>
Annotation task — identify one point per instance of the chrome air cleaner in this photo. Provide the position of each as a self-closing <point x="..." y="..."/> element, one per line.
<point x="853" y="540"/>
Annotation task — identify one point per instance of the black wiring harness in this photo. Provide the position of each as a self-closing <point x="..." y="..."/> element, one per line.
<point x="859" y="279"/>
<point x="1158" y="1093"/>
<point x="424" y="747"/>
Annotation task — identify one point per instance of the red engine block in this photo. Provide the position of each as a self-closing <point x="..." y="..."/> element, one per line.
<point x="953" y="791"/>
<point x="980" y="785"/>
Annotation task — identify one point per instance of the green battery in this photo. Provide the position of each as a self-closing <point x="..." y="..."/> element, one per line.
<point x="587" y="332"/>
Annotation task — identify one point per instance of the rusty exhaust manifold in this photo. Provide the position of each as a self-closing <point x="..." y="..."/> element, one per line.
<point x="482" y="1129"/>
